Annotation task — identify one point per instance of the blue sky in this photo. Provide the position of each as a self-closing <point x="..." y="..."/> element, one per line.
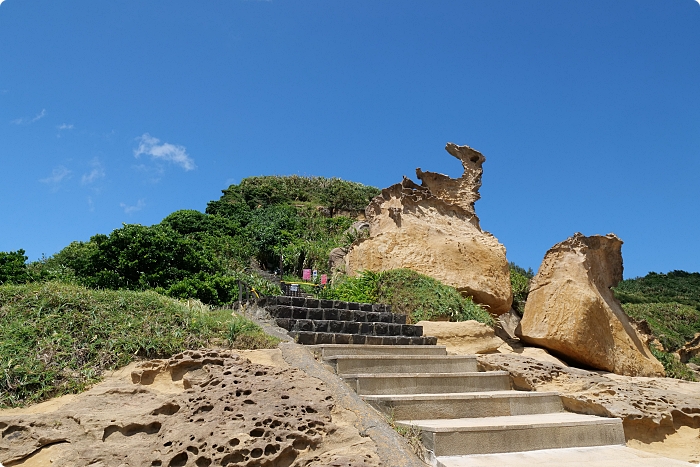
<point x="588" y="112"/>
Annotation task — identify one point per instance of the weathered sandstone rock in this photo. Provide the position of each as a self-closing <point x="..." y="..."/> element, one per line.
<point x="463" y="337"/>
<point x="572" y="312"/>
<point x="433" y="229"/>
<point x="690" y="349"/>
<point x="199" y="408"/>
<point x="651" y="409"/>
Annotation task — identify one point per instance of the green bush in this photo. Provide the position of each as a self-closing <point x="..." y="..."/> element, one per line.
<point x="672" y="323"/>
<point x="520" y="284"/>
<point x="59" y="338"/>
<point x="13" y="267"/>
<point x="674" y="368"/>
<point x="676" y="286"/>
<point x="408" y="292"/>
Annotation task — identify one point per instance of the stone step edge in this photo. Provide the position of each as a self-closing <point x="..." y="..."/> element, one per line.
<point x="333" y="314"/>
<point x="365" y="328"/>
<point x="318" y="338"/>
<point x="469" y="358"/>
<point x="459" y="396"/>
<point x="509" y="422"/>
<point x="313" y="302"/>
<point x="465" y="374"/>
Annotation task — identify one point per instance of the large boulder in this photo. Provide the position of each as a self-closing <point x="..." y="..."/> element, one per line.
<point x="571" y="309"/>
<point x="433" y="229"/>
<point x="463" y="337"/>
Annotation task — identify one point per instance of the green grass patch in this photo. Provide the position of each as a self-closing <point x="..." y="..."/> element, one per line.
<point x="674" y="367"/>
<point x="672" y="323"/>
<point x="59" y="338"/>
<point x="418" y="296"/>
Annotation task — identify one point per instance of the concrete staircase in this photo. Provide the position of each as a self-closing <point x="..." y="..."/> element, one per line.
<point x="467" y="418"/>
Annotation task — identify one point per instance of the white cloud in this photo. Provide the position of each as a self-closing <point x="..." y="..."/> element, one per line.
<point x="57" y="176"/>
<point x="65" y="126"/>
<point x="23" y="121"/>
<point x="1" y="1"/>
<point x="97" y="172"/>
<point x="140" y="204"/>
<point x="165" y="151"/>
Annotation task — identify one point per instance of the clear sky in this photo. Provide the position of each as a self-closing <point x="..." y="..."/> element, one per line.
<point x="588" y="112"/>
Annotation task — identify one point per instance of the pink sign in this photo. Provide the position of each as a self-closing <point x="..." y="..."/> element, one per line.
<point x="306" y="275"/>
<point x="324" y="279"/>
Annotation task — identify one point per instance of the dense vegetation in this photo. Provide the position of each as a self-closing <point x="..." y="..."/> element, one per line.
<point x="191" y="254"/>
<point x="58" y="338"/>
<point x="418" y="296"/>
<point x="520" y="283"/>
<point x="670" y="304"/>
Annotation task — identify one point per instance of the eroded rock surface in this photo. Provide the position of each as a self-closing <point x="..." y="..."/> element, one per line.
<point x="464" y="337"/>
<point x="433" y="229"/>
<point x="199" y="408"/>
<point x="650" y="408"/>
<point x="571" y="309"/>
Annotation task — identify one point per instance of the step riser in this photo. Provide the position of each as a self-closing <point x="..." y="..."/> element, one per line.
<point x="369" y="366"/>
<point x="322" y="338"/>
<point x="321" y="303"/>
<point x="333" y="314"/>
<point x="430" y="385"/>
<point x="350" y="327"/>
<point x="472" y="408"/>
<point x="525" y="439"/>
<point x="326" y="352"/>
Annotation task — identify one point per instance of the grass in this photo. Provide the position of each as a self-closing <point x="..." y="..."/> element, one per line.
<point x="418" y="296"/>
<point x="59" y="338"/>
<point x="672" y="323"/>
<point x="673" y="366"/>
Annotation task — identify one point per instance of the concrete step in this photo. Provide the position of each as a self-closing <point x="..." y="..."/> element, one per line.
<point x="331" y="350"/>
<point x="464" y="405"/>
<point x="599" y="456"/>
<point x="317" y="338"/>
<point x="374" y="364"/>
<point x="334" y="314"/>
<point x="423" y="383"/>
<point x="488" y="435"/>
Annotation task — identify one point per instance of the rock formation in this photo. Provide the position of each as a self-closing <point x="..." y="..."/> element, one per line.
<point x="464" y="337"/>
<point x="433" y="229"/>
<point x="199" y="408"/>
<point x="572" y="311"/>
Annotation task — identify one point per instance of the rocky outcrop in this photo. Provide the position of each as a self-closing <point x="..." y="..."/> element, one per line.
<point x="650" y="408"/>
<point x="199" y="408"/>
<point x="572" y="311"/>
<point x="463" y="337"/>
<point x="433" y="229"/>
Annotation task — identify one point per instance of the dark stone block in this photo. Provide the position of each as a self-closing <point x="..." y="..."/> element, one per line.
<point x="430" y="340"/>
<point x="345" y="315"/>
<point x="325" y="303"/>
<point x="359" y="339"/>
<point x="283" y="323"/>
<point x="403" y="340"/>
<point x="393" y="329"/>
<point x="352" y="327"/>
<point x="408" y="330"/>
<point x="374" y="340"/>
<point x="381" y="329"/>
<point x="360" y="316"/>
<point x="282" y="300"/>
<point x="261" y="302"/>
<point x="315" y="313"/>
<point x="387" y="308"/>
<point x="299" y="313"/>
<point x="330" y="313"/>
<point x="306" y="338"/>
<point x="298" y="301"/>
<point x="353" y="306"/>
<point x="377" y="307"/>
<point x="365" y="306"/>
<point x="367" y="328"/>
<point x="271" y="301"/>
<point x="304" y="325"/>
<point x="324" y="338"/>
<point x="340" y="305"/>
<point x="416" y="341"/>
<point x="336" y="326"/>
<point x="321" y="326"/>
<point x="373" y="317"/>
<point x="312" y="303"/>
<point x="418" y="331"/>
<point x="343" y="338"/>
<point x="399" y="318"/>
<point x="280" y="311"/>
<point x="386" y="317"/>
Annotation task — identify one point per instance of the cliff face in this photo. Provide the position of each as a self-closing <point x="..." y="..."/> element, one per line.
<point x="572" y="311"/>
<point x="433" y="229"/>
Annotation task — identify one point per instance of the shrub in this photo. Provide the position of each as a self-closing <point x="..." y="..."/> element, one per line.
<point x="672" y="323"/>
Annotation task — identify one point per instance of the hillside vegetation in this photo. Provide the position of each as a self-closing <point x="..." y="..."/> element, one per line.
<point x="59" y="338"/>
<point x="670" y="304"/>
